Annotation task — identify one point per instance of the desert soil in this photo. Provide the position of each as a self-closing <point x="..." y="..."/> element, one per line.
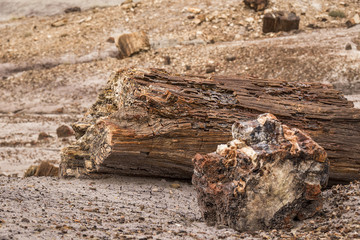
<point x="53" y="66"/>
<point x="138" y="208"/>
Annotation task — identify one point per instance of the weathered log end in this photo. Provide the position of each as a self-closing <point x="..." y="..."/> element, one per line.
<point x="152" y="123"/>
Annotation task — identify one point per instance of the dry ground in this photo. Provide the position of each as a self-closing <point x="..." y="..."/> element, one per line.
<point x="50" y="75"/>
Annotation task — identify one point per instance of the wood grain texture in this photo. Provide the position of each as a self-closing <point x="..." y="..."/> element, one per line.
<point x="152" y="123"/>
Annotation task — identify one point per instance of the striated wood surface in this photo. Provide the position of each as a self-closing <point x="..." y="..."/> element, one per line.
<point x="152" y="123"/>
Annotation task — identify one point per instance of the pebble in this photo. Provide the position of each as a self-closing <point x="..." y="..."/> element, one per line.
<point x="210" y="69"/>
<point x="25" y="220"/>
<point x="167" y="60"/>
<point x="64" y="131"/>
<point x="175" y="185"/>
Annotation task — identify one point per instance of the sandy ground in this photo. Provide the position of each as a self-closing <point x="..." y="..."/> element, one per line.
<point x="53" y="66"/>
<point x="138" y="208"/>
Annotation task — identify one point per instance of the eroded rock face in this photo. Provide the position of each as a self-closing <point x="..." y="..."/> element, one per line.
<point x="267" y="177"/>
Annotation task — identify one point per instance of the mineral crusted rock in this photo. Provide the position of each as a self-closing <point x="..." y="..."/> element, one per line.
<point x="280" y="21"/>
<point x="131" y="43"/>
<point x="267" y="177"/>
<point x="257" y="5"/>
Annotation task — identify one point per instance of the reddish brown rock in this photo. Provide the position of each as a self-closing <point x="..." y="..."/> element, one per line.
<point x="257" y="5"/>
<point x="280" y="21"/>
<point x="64" y="131"/>
<point x="267" y="177"/>
<point x="131" y="43"/>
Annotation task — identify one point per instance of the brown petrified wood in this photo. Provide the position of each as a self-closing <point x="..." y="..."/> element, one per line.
<point x="152" y="123"/>
<point x="267" y="177"/>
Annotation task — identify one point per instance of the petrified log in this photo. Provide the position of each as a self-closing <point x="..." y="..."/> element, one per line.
<point x="280" y="21"/>
<point x="130" y="43"/>
<point x="152" y="123"/>
<point x="265" y="178"/>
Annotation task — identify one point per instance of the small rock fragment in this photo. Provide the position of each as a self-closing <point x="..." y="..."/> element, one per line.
<point x="210" y="69"/>
<point x="193" y="10"/>
<point x="43" y="135"/>
<point x="230" y="58"/>
<point x="25" y="220"/>
<point x="199" y="19"/>
<point x="175" y="185"/>
<point x="59" y="23"/>
<point x="72" y="9"/>
<point x="257" y="5"/>
<point x="131" y="43"/>
<point x="269" y="176"/>
<point x="348" y="46"/>
<point x="110" y="40"/>
<point x="353" y="21"/>
<point x="280" y="21"/>
<point x="30" y="171"/>
<point x="44" y="169"/>
<point x="167" y="60"/>
<point x="64" y="131"/>
<point x="122" y="219"/>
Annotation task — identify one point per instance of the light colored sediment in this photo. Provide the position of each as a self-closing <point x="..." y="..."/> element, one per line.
<point x="135" y="208"/>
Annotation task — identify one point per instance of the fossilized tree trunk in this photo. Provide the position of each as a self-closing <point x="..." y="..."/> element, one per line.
<point x="152" y="123"/>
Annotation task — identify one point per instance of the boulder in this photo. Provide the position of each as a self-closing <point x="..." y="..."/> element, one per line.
<point x="131" y="43"/>
<point x="269" y="176"/>
<point x="257" y="5"/>
<point x="280" y="21"/>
